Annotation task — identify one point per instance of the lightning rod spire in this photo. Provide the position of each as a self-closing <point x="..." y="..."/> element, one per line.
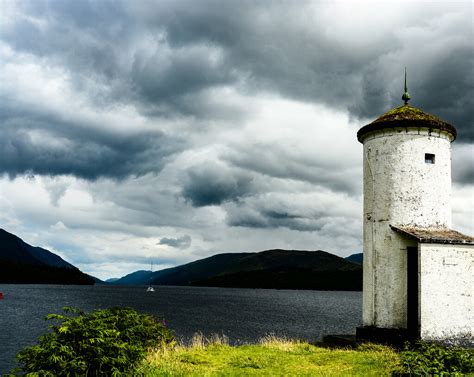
<point x="406" y="95"/>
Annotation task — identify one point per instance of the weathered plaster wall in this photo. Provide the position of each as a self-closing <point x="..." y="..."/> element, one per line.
<point x="399" y="188"/>
<point x="385" y="281"/>
<point x="447" y="292"/>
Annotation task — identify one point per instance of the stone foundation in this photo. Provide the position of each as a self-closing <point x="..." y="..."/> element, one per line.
<point x="390" y="336"/>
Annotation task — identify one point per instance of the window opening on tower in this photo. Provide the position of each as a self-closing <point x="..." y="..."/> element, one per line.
<point x="429" y="158"/>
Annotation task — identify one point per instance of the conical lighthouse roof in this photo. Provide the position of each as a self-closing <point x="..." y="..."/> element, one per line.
<point x="406" y="116"/>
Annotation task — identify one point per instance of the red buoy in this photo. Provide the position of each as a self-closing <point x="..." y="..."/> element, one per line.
<point x="1" y="296"/>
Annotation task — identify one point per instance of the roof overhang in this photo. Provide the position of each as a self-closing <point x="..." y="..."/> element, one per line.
<point x="407" y="117"/>
<point x="406" y="124"/>
<point x="434" y="235"/>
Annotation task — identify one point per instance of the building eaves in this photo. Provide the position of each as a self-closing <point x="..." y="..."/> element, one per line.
<point x="407" y="116"/>
<point x="434" y="235"/>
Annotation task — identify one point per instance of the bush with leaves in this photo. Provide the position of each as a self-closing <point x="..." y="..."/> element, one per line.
<point x="424" y="358"/>
<point x="103" y="342"/>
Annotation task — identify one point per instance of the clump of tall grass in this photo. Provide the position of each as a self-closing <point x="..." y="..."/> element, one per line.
<point x="200" y="341"/>
<point x="279" y="342"/>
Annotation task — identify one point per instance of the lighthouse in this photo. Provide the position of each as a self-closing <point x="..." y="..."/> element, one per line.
<point x="418" y="278"/>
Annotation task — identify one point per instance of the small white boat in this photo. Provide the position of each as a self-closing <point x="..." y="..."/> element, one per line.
<point x="150" y="287"/>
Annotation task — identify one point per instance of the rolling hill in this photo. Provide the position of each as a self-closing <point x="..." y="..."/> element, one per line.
<point x="280" y="269"/>
<point x="356" y="258"/>
<point x="23" y="263"/>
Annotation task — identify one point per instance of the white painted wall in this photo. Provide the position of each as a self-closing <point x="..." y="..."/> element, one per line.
<point x="447" y="292"/>
<point x="400" y="189"/>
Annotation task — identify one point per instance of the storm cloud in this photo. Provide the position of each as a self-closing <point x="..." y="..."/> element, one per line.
<point x="173" y="130"/>
<point x="36" y="143"/>
<point x="182" y="242"/>
<point x="164" y="54"/>
<point x="211" y="184"/>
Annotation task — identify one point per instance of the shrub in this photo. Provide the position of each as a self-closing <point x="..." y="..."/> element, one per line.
<point x="423" y="358"/>
<point x="103" y="342"/>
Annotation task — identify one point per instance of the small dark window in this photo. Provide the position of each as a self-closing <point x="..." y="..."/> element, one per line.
<point x="429" y="158"/>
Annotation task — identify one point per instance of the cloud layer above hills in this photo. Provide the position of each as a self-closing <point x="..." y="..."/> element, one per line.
<point x="172" y="130"/>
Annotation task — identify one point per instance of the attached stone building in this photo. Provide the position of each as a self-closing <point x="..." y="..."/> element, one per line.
<point x="418" y="272"/>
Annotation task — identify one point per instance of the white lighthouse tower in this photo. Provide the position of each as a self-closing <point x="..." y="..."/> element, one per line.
<point x="418" y="272"/>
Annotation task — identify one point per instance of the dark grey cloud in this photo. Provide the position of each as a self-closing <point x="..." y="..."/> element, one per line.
<point x="290" y="49"/>
<point x="166" y="55"/>
<point x="182" y="242"/>
<point x="265" y="212"/>
<point x="273" y="218"/>
<point x="281" y="161"/>
<point x="179" y="74"/>
<point x="464" y="175"/>
<point x="213" y="184"/>
<point x="446" y="89"/>
<point x="190" y="72"/>
<point x="463" y="164"/>
<point x="42" y="143"/>
<point x="80" y="36"/>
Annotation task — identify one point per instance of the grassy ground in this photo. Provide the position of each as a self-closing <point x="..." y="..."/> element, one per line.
<point x="271" y="357"/>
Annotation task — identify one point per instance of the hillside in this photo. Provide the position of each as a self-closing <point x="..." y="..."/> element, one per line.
<point x="135" y="278"/>
<point x="23" y="263"/>
<point x="356" y="258"/>
<point x="280" y="269"/>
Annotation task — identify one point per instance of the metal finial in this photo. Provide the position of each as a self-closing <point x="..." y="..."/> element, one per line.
<point x="406" y="95"/>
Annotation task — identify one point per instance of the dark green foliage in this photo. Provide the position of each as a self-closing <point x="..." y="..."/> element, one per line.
<point x="103" y="342"/>
<point x="423" y="359"/>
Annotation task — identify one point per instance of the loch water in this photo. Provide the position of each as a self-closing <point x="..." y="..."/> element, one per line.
<point x="243" y="315"/>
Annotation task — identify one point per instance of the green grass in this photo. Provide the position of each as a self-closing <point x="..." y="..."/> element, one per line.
<point x="270" y="357"/>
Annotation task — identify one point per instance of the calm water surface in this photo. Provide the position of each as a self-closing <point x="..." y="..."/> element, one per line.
<point x="244" y="315"/>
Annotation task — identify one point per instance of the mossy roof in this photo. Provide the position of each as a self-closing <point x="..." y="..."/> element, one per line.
<point x="406" y="116"/>
<point x="434" y="235"/>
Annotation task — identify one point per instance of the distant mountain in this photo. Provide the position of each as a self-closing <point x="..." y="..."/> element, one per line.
<point x="356" y="258"/>
<point x="23" y="263"/>
<point x="280" y="269"/>
<point x="135" y="278"/>
<point x="111" y="280"/>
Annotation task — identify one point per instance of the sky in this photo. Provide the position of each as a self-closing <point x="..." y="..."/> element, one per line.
<point x="168" y="131"/>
